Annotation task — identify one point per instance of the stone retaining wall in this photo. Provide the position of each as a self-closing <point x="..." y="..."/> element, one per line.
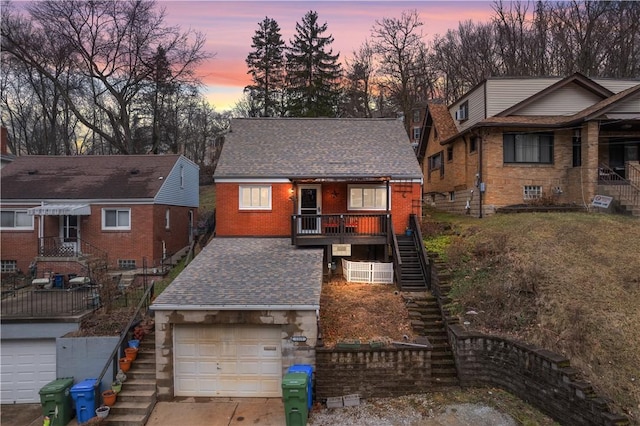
<point x="537" y="376"/>
<point x="381" y="372"/>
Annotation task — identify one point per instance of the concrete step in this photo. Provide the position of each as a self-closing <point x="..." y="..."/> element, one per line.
<point x="126" y="420"/>
<point x="127" y="407"/>
<point x="139" y="384"/>
<point x="145" y="395"/>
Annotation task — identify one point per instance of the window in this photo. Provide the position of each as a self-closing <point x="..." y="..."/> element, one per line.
<point x="8" y="266"/>
<point x="452" y="196"/>
<point x="577" y="149"/>
<point x="126" y="264"/>
<point x="416" y="133"/>
<point x="528" y="148"/>
<point x="367" y="198"/>
<point x="449" y="153"/>
<point x="15" y="219"/>
<point x="532" y="192"/>
<point x="167" y="215"/>
<point x="462" y="114"/>
<point x="181" y="176"/>
<point x="436" y="163"/>
<point x="255" y="197"/>
<point x="473" y="144"/>
<point x="116" y="219"/>
<point x="416" y="115"/>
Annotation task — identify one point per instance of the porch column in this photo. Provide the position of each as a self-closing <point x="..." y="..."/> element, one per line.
<point x="590" y="161"/>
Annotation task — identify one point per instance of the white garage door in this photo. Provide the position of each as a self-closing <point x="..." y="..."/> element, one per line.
<point x="233" y="361"/>
<point x="25" y="367"/>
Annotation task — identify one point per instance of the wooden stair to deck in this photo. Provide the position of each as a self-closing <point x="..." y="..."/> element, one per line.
<point x="412" y="276"/>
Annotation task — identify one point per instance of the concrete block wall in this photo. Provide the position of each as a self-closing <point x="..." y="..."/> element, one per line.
<point x="372" y="372"/>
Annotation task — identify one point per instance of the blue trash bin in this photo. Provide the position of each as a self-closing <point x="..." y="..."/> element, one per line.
<point x="58" y="281"/>
<point x="84" y="396"/>
<point x="308" y="370"/>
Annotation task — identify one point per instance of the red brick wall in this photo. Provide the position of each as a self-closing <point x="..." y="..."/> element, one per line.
<point x="21" y="246"/>
<point x="231" y="221"/>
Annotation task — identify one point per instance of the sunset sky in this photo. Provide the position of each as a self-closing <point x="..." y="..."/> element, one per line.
<point x="229" y="27"/>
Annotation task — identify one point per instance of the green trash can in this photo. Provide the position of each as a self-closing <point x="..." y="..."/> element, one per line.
<point x="294" y="395"/>
<point x="55" y="398"/>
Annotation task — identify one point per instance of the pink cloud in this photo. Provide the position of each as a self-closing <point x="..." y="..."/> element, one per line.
<point x="229" y="27"/>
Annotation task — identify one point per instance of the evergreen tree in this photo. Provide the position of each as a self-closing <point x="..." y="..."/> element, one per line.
<point x="313" y="71"/>
<point x="266" y="66"/>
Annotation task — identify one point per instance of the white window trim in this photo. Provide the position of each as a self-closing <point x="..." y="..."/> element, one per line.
<point x="116" y="228"/>
<point x="4" y="266"/>
<point x="362" y="187"/>
<point x="18" y="228"/>
<point x="241" y="206"/>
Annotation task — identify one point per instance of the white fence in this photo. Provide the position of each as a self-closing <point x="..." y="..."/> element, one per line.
<point x="368" y="272"/>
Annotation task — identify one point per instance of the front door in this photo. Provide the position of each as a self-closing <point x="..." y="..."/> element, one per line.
<point x="310" y="208"/>
<point x="69" y="234"/>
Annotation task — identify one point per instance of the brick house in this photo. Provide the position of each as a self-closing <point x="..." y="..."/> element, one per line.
<point x="293" y="196"/>
<point x="130" y="209"/>
<point x="513" y="141"/>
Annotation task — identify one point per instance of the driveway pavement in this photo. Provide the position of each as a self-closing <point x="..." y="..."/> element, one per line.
<point x="219" y="412"/>
<point x="187" y="411"/>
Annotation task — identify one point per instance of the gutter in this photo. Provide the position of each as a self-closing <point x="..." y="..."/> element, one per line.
<point x="174" y="307"/>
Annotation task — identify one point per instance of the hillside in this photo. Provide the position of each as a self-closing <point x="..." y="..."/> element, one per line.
<point x="569" y="282"/>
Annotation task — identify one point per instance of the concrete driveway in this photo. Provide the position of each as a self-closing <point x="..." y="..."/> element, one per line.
<point x="219" y="412"/>
<point x="187" y="411"/>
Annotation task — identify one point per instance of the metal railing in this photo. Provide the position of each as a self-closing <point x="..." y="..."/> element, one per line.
<point x="57" y="247"/>
<point x="414" y="225"/>
<point x="30" y="302"/>
<point x="118" y="350"/>
<point x="626" y="189"/>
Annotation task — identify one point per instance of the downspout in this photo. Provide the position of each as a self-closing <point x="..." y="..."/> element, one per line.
<point x="41" y="232"/>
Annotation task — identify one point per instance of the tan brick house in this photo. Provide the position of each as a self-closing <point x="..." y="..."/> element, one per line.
<point x="513" y="141"/>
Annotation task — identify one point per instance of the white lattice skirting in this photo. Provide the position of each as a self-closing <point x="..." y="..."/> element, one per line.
<point x="368" y="272"/>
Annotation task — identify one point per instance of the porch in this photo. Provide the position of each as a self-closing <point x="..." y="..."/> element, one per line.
<point x="27" y="301"/>
<point x="326" y="229"/>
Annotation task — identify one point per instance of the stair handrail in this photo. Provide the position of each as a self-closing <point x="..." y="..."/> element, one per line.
<point x="414" y="225"/>
<point x="625" y="188"/>
<point x="145" y="301"/>
<point x="397" y="260"/>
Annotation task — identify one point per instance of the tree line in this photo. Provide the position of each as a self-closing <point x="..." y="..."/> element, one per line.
<point x="395" y="69"/>
<point x="112" y="77"/>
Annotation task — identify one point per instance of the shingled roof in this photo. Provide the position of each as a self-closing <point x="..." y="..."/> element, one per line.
<point x="85" y="177"/>
<point x="317" y="148"/>
<point x="247" y="273"/>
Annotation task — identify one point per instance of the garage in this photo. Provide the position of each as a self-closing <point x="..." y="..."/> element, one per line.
<point x="227" y="361"/>
<point x="25" y="367"/>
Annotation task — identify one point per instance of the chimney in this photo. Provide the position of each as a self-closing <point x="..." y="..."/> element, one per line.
<point x="3" y="141"/>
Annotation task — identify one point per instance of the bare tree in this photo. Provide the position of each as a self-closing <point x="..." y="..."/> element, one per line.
<point x="111" y="46"/>
<point x="398" y="44"/>
<point x="358" y="83"/>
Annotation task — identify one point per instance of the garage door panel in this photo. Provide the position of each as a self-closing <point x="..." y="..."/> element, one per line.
<point x="231" y="361"/>
<point x="26" y="366"/>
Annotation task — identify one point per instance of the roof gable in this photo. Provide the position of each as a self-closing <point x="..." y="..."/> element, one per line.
<point x="317" y="148"/>
<point x="85" y="177"/>
<point x="575" y="83"/>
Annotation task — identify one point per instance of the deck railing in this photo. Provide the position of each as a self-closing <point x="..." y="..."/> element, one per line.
<point x="56" y="247"/>
<point x="339" y="226"/>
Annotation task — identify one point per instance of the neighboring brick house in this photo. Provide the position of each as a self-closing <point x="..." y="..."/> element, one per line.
<point x="132" y="208"/>
<point x="291" y="195"/>
<point x="513" y="141"/>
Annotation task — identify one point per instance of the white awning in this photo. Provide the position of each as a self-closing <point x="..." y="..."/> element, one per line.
<point x="61" y="209"/>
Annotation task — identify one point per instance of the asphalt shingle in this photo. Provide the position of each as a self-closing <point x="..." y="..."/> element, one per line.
<point x="248" y="272"/>
<point x="317" y="148"/>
